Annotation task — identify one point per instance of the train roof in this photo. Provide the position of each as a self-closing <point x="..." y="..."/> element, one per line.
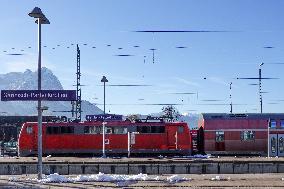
<point x="111" y="123"/>
<point x="226" y="116"/>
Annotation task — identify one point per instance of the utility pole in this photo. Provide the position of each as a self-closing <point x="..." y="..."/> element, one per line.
<point x="231" y="104"/>
<point x="259" y="78"/>
<point x="260" y="94"/>
<point x="78" y="109"/>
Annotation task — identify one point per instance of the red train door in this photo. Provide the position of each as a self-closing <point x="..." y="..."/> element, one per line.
<point x="172" y="137"/>
<point x="220" y="141"/>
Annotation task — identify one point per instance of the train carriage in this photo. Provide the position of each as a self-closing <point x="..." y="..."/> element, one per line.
<point x="87" y="138"/>
<point x="242" y="134"/>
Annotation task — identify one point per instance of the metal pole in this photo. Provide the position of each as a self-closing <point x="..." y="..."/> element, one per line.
<point x="268" y="139"/>
<point x="39" y="104"/>
<point x="104" y="97"/>
<point x="260" y="95"/>
<point x="104" y="154"/>
<point x="128" y="144"/>
<point x="231" y="104"/>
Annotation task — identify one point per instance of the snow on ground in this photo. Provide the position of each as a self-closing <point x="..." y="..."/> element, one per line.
<point x="176" y="178"/>
<point x="111" y="178"/>
<point x="219" y="178"/>
<point x="198" y="156"/>
<point x="55" y="178"/>
<point x="12" y="179"/>
<point x="202" y="156"/>
<point x="101" y="177"/>
<point x="194" y="156"/>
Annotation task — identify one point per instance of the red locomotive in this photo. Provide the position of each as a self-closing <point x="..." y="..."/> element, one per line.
<point x="86" y="137"/>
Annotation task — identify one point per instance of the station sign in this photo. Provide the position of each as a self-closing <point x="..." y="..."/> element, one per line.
<point x="105" y="117"/>
<point x="35" y="95"/>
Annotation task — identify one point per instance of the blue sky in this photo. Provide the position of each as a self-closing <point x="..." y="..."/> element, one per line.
<point x="220" y="57"/>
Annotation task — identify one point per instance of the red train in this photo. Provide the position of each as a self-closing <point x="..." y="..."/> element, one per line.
<point x="146" y="137"/>
<point x="218" y="133"/>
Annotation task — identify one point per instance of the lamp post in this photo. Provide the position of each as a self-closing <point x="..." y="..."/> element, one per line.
<point x="40" y="19"/>
<point x="104" y="80"/>
<point x="260" y="94"/>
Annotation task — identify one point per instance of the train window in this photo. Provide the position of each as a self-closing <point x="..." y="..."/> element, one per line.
<point x="29" y="129"/>
<point x="273" y="145"/>
<point x="150" y="129"/>
<point x="52" y="130"/>
<point x="119" y="130"/>
<point x="86" y="129"/>
<point x="67" y="130"/>
<point x="92" y="130"/>
<point x="247" y="135"/>
<point x="220" y="136"/>
<point x="109" y="130"/>
<point x="273" y="124"/>
<point x="281" y="145"/>
<point x="144" y="129"/>
<point x="99" y="130"/>
<point x="157" y="129"/>
<point x="180" y="129"/>
<point x="282" y="124"/>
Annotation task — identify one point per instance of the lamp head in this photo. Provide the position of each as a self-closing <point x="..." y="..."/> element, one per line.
<point x="104" y="79"/>
<point x="36" y="13"/>
<point x="261" y="64"/>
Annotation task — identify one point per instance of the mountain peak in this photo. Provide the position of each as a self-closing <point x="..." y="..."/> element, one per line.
<point x="28" y="71"/>
<point x="28" y="80"/>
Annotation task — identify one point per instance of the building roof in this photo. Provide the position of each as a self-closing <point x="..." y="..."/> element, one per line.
<point x="265" y="116"/>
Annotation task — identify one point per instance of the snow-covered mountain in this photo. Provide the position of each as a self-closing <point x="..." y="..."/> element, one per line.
<point x="28" y="81"/>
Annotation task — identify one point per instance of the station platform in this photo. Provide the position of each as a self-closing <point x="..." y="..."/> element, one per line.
<point x="152" y="166"/>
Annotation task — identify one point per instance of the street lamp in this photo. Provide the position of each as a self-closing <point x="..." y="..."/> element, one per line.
<point x="40" y="19"/>
<point x="104" y="80"/>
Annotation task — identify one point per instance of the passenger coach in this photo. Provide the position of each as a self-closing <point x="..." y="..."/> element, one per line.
<point x="242" y="133"/>
<point x="145" y="137"/>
